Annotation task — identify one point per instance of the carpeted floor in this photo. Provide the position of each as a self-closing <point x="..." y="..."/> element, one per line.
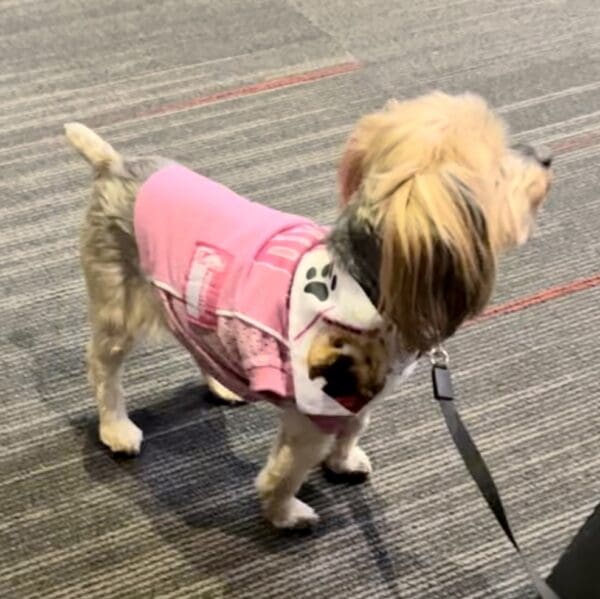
<point x="260" y="95"/>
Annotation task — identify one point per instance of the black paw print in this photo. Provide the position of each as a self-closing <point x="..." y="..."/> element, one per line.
<point x="323" y="284"/>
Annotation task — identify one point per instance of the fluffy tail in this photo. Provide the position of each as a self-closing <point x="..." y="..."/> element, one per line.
<point x="99" y="153"/>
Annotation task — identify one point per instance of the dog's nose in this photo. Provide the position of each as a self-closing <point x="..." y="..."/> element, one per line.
<point x="543" y="155"/>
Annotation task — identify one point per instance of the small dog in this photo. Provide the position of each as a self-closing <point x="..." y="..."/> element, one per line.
<point x="274" y="306"/>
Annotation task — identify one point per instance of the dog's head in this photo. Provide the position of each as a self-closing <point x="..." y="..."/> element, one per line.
<point x="437" y="179"/>
<point x="354" y="365"/>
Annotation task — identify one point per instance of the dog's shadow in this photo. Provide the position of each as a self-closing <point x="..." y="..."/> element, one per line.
<point x="192" y="467"/>
<point x="187" y="465"/>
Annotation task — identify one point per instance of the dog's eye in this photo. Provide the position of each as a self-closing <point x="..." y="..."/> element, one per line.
<point x="368" y="361"/>
<point x="338" y="343"/>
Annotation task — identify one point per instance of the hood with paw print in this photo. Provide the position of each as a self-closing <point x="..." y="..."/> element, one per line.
<point x="323" y="293"/>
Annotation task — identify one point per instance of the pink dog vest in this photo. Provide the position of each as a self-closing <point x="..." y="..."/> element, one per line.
<point x="227" y="271"/>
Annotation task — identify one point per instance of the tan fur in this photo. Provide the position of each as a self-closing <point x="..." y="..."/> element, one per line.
<point x="437" y="179"/>
<point x="91" y="146"/>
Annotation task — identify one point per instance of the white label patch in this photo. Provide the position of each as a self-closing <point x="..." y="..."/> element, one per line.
<point x="203" y="285"/>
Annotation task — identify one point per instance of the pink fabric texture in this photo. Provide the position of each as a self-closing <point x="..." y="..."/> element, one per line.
<point x="223" y="267"/>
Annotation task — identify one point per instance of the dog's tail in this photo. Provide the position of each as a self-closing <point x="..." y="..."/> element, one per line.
<point x="99" y="153"/>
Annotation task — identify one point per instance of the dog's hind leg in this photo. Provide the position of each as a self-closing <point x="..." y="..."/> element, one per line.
<point x="122" y="308"/>
<point x="106" y="352"/>
<point x="121" y="313"/>
<point x="122" y="304"/>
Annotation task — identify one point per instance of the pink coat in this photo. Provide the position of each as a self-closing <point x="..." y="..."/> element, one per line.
<point x="224" y="268"/>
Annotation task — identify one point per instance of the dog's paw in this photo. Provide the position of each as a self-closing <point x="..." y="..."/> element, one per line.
<point x="222" y="392"/>
<point x="355" y="466"/>
<point x="121" y="436"/>
<point x="292" y="514"/>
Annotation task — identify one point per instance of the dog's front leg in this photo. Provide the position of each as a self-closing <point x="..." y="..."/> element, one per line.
<point x="347" y="458"/>
<point x="298" y="448"/>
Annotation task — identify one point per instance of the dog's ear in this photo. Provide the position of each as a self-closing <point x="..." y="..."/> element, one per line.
<point x="350" y="171"/>
<point x="438" y="265"/>
<point x="361" y="149"/>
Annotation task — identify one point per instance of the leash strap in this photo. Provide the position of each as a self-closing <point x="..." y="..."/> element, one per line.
<point x="444" y="393"/>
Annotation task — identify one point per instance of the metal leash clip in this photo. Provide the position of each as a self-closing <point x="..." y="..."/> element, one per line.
<point x="440" y="374"/>
<point x="438" y="356"/>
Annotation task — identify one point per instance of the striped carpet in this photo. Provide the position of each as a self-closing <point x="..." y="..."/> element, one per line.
<point x="260" y="95"/>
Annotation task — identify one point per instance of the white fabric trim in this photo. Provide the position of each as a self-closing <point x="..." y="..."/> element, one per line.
<point x="273" y="267"/>
<point x="285" y="252"/>
<point x="167" y="288"/>
<point x="300" y="239"/>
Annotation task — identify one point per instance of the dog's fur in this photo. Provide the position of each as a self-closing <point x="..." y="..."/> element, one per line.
<point x="430" y="193"/>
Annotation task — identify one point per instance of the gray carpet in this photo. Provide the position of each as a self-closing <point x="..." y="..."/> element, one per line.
<point x="260" y="95"/>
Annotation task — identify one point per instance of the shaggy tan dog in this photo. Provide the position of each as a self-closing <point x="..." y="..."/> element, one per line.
<point x="431" y="193"/>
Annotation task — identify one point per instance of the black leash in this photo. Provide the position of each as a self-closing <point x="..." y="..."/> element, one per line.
<point x="444" y="393"/>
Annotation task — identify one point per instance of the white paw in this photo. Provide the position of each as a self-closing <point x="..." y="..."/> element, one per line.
<point x="356" y="462"/>
<point x="221" y="391"/>
<point x="121" y="436"/>
<point x="293" y="513"/>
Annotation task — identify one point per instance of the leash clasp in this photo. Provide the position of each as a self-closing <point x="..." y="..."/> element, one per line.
<point x="440" y="374"/>
<point x="438" y="356"/>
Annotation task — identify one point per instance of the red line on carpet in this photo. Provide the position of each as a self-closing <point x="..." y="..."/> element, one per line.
<point x="541" y="297"/>
<point x="575" y="142"/>
<point x="257" y="88"/>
